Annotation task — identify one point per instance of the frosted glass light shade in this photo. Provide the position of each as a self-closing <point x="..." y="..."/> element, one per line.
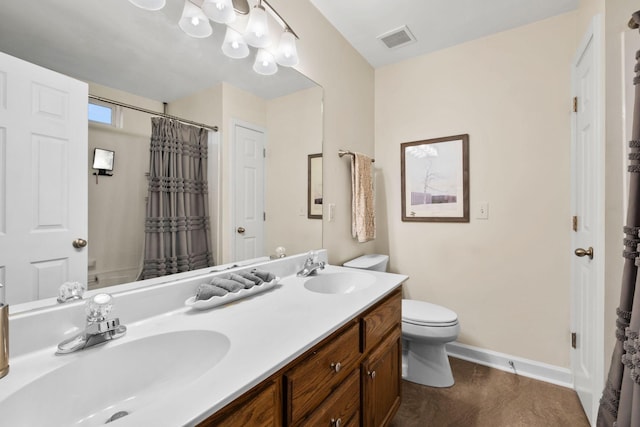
<point x="194" y="22"/>
<point x="220" y="11"/>
<point x="234" y="45"/>
<point x="149" y="4"/>
<point x="287" y="54"/>
<point x="257" y="32"/>
<point x="265" y="63"/>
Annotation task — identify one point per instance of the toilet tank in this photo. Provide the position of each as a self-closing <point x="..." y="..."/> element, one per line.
<point x="374" y="262"/>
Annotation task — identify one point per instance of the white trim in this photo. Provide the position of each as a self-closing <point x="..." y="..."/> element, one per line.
<point x="525" y="367"/>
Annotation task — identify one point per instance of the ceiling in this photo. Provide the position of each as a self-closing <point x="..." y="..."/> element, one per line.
<point x="113" y="43"/>
<point x="116" y="44"/>
<point x="436" y="24"/>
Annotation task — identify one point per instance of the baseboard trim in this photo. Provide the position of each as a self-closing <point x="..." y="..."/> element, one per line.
<point x="525" y="367"/>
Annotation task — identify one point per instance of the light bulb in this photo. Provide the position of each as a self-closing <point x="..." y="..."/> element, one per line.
<point x="194" y="22"/>
<point x="265" y="63"/>
<point x="220" y="11"/>
<point x="234" y="45"/>
<point x="287" y="54"/>
<point x="257" y="31"/>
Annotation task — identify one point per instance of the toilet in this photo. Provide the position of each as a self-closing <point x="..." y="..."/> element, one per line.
<point x="426" y="329"/>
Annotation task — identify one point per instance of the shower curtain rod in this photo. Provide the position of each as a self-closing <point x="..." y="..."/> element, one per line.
<point x="153" y="113"/>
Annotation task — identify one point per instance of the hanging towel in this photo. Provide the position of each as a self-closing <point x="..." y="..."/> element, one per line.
<point x="363" y="218"/>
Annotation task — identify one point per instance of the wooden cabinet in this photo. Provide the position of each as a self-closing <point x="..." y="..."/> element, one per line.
<point x="259" y="407"/>
<point x="313" y="379"/>
<point x="351" y="378"/>
<point x="382" y="382"/>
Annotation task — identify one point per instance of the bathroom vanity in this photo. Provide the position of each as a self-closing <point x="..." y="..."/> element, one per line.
<point x="353" y="377"/>
<point x="319" y="350"/>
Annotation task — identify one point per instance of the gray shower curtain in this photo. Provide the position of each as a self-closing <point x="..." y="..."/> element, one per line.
<point x="620" y="403"/>
<point x="177" y="236"/>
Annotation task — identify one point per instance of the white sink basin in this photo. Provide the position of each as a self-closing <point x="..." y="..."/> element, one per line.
<point x="340" y="283"/>
<point x="103" y="381"/>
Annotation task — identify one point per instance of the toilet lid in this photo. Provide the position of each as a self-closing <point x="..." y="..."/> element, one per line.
<point x="427" y="314"/>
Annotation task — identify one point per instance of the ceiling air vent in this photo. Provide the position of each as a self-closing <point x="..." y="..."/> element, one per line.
<point x="397" y="38"/>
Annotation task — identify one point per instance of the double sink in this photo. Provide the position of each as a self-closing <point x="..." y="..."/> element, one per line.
<point x="108" y="383"/>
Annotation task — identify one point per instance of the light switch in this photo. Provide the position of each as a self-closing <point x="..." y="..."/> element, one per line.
<point x="482" y="210"/>
<point x="331" y="209"/>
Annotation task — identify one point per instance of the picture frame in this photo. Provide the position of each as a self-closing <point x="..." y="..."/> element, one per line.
<point x="314" y="186"/>
<point x="435" y="179"/>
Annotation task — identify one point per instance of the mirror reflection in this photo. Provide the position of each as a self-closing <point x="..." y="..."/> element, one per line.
<point x="146" y="61"/>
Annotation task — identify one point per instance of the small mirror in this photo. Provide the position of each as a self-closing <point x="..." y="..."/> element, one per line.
<point x="103" y="161"/>
<point x="314" y="188"/>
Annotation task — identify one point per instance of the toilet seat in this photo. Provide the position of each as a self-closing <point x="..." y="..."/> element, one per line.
<point x="422" y="313"/>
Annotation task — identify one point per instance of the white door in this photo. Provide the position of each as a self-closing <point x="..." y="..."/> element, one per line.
<point x="43" y="180"/>
<point x="249" y="149"/>
<point x="587" y="294"/>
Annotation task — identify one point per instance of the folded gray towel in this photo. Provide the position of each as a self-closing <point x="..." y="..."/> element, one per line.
<point x="255" y="279"/>
<point x="206" y="291"/>
<point x="244" y="282"/>
<point x="264" y="275"/>
<point x="228" y="284"/>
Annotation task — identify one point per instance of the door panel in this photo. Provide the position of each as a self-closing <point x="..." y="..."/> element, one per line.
<point x="43" y="160"/>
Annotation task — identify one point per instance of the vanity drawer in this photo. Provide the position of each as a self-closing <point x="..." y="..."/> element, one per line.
<point x="381" y="320"/>
<point x="342" y="407"/>
<point x="311" y="381"/>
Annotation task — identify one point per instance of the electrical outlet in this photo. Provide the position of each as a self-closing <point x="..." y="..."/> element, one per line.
<point x="482" y="211"/>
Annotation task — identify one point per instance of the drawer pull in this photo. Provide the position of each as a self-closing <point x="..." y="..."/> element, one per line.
<point x="336" y="366"/>
<point x="372" y="374"/>
<point x="336" y="423"/>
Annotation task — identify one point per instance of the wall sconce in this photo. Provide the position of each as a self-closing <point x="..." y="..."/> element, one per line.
<point x="103" y="162"/>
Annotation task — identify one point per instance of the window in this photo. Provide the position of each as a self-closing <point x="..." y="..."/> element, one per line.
<point x="104" y="113"/>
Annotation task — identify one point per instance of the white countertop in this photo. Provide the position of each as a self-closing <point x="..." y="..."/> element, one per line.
<point x="266" y="332"/>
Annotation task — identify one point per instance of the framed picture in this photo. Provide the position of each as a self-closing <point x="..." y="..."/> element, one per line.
<point x="314" y="187"/>
<point x="435" y="179"/>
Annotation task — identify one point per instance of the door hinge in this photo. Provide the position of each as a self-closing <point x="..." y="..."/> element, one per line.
<point x="574" y="223"/>
<point x="574" y="340"/>
<point x="264" y="153"/>
<point x="575" y="104"/>
<point x="264" y="216"/>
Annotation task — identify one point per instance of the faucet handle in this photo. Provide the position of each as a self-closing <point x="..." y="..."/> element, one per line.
<point x="70" y="291"/>
<point x="98" y="307"/>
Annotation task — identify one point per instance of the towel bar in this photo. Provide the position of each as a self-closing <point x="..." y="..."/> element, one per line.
<point x="350" y="153"/>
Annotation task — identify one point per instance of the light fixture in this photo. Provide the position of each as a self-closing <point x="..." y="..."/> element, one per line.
<point x="194" y="22"/>
<point x="149" y="4"/>
<point x="265" y="63"/>
<point x="287" y="54"/>
<point x="234" y="45"/>
<point x="257" y="32"/>
<point x="220" y="11"/>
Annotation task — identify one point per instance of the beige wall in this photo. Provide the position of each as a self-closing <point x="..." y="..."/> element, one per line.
<point x="348" y="83"/>
<point x="507" y="277"/>
<point x="295" y="131"/>
<point x="117" y="203"/>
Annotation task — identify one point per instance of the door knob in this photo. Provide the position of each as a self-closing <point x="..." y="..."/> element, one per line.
<point x="240" y="230"/>
<point x="581" y="252"/>
<point x="79" y="243"/>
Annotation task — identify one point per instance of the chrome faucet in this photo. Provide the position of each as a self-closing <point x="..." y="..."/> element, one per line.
<point x="99" y="328"/>
<point x="311" y="265"/>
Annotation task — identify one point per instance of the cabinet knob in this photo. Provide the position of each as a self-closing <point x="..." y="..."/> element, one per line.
<point x="336" y="422"/>
<point x="372" y="374"/>
<point x="336" y="366"/>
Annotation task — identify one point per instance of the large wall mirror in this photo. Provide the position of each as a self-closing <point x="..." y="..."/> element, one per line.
<point x="143" y="58"/>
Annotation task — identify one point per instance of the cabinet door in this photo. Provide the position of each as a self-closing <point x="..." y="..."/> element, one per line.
<point x="260" y="407"/>
<point x="381" y="382"/>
